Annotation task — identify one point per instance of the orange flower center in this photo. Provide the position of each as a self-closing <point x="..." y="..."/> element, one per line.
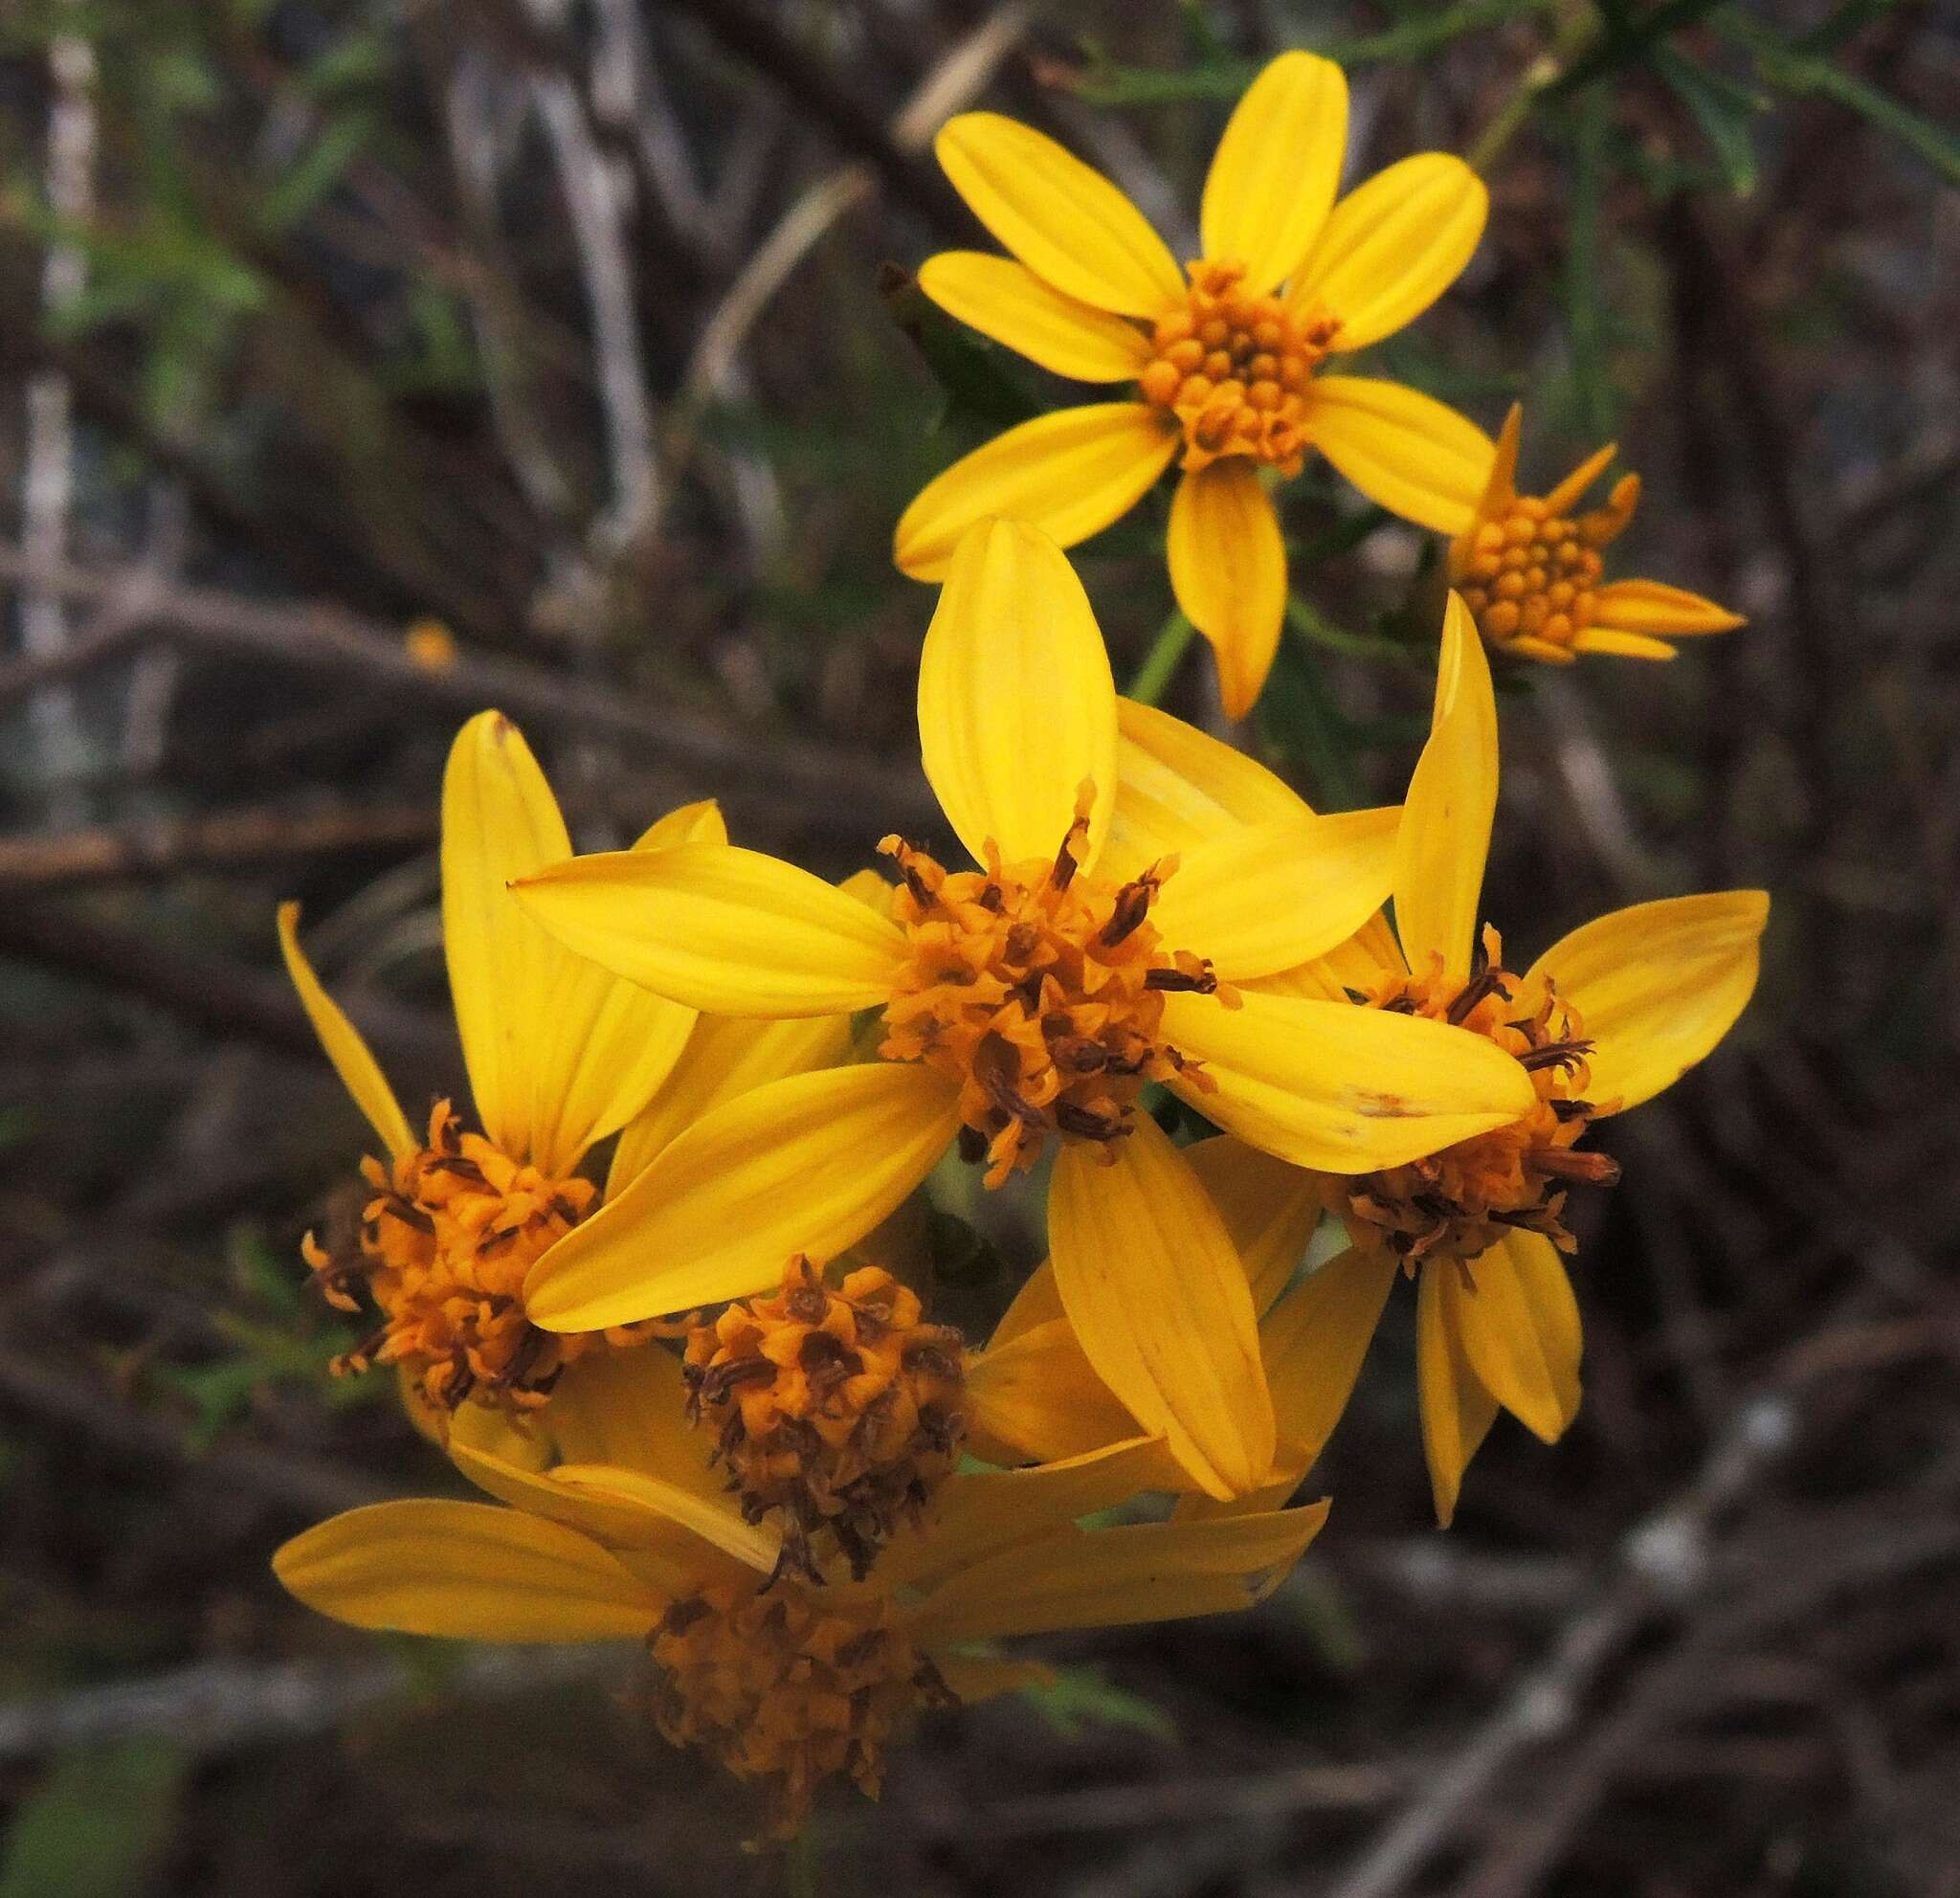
<point x="787" y="1688"/>
<point x="1040" y="990"/>
<point x="838" y="1408"/>
<point x="442" y="1248"/>
<point x="1534" y="575"/>
<point x="1457" y="1203"/>
<point x="1234" y="368"/>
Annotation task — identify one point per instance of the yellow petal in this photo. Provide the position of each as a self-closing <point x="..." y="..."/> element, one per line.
<point x="977" y="1677"/>
<point x="1272" y="895"/>
<point x="1036" y="1394"/>
<point x="1405" y="451"/>
<point x="1604" y="640"/>
<point x="1227" y="569"/>
<point x="715" y="1521"/>
<point x="500" y="821"/>
<point x="1657" y="986"/>
<point x="725" y="1057"/>
<point x="810" y="1164"/>
<point x="1341" y="1088"/>
<point x="1115" y="1577"/>
<point x="1457" y="1410"/>
<point x="1274" y="176"/>
<point x="359" y="1071"/>
<point x="727" y="930"/>
<point x="1519" y="1356"/>
<point x="628" y="1408"/>
<point x="1357" y="963"/>
<point x="981" y="1512"/>
<point x="1560" y="499"/>
<point x="1037" y="1303"/>
<point x="700" y="822"/>
<point x="1069" y="473"/>
<point x="1270" y="1209"/>
<point x="467" y="1570"/>
<point x="1446" y="818"/>
<point x="1066" y="222"/>
<point x="1006" y="300"/>
<point x="1651" y="606"/>
<point x="1314" y="1340"/>
<point x="1393" y="246"/>
<point x="614" y="1044"/>
<point x="1016" y="704"/>
<point x="1177" y="787"/>
<point x="617" y="1525"/>
<point x="1160" y="1302"/>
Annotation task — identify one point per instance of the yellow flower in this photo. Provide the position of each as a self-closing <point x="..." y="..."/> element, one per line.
<point x="1226" y="363"/>
<point x="431" y="645"/>
<point x="1024" y="1005"/>
<point x="1603" y="1020"/>
<point x="786" y="1684"/>
<point x="1530" y="571"/>
<point x="560" y="1055"/>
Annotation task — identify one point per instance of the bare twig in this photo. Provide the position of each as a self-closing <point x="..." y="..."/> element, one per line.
<point x="227" y="841"/>
<point x="214" y="1706"/>
<point x="325" y="638"/>
<point x="1663" y="1558"/>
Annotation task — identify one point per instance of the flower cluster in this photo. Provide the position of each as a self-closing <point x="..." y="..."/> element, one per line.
<point x="701" y="1387"/>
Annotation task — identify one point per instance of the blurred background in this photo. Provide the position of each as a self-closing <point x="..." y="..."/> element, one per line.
<point x="366" y="363"/>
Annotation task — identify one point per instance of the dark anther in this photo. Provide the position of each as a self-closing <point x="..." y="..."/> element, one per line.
<point x="1174" y="981"/>
<point x="1356" y="996"/>
<point x="1487" y="980"/>
<point x="410" y="1214"/>
<point x="991" y="899"/>
<point x="1065" y="865"/>
<point x="524" y="1359"/>
<point x="1071" y="1118"/>
<point x="1555" y="1054"/>
<point x="459" y="1166"/>
<point x="1132" y="908"/>
<point x="973" y="1145"/>
<point x="682" y="1615"/>
<point x="719" y="1380"/>
<point x="808" y="1303"/>
<point x="1571" y="1110"/>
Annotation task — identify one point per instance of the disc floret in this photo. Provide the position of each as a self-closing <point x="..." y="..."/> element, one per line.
<point x="789" y="1687"/>
<point x="443" y="1247"/>
<point x="1457" y="1203"/>
<point x="1530" y="575"/>
<point x="841" y="1410"/>
<point x="1234" y="368"/>
<point x="1040" y="990"/>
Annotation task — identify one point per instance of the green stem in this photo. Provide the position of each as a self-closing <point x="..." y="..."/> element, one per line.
<point x="1573" y="37"/>
<point x="1160" y="663"/>
<point x="799" y="1865"/>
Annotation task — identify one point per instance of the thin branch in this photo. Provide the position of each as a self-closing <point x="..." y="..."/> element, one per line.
<point x="1662" y="1558"/>
<point x="325" y="638"/>
<point x="214" y="1706"/>
<point x="225" y="841"/>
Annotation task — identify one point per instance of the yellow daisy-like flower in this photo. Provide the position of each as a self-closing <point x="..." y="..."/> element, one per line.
<point x="1225" y="356"/>
<point x="1530" y="570"/>
<point x="1025" y="1004"/>
<point x="1606" y="1019"/>
<point x="560" y="1055"/>
<point x="786" y="1682"/>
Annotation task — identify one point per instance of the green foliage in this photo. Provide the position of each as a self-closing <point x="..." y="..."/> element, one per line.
<point x="96" y="1825"/>
<point x="284" y="1341"/>
<point x="1079" y="1698"/>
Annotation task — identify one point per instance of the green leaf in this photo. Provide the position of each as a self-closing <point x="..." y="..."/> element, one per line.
<point x="1808" y="73"/>
<point x="982" y="383"/>
<point x="1721" y="110"/>
<point x="95" y="1824"/>
<point x="1079" y="1698"/>
<point x="319" y="169"/>
<point x="1584" y="289"/>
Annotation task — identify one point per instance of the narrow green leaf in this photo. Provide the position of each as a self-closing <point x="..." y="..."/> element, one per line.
<point x="1721" y="110"/>
<point x="95" y="1824"/>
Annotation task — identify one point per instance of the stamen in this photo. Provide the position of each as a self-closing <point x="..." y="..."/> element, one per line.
<point x="839" y="1410"/>
<point x="443" y="1247"/>
<point x="1235" y="370"/>
<point x="788" y="1688"/>
<point x="1455" y="1205"/>
<point x="1039" y="989"/>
